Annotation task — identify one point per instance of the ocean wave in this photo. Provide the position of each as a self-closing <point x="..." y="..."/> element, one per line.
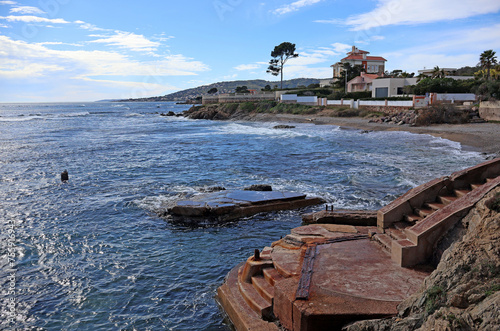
<point x="78" y="114"/>
<point x="20" y="118"/>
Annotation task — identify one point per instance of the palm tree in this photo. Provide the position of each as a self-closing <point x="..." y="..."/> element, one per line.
<point x="487" y="59"/>
<point x="438" y="73"/>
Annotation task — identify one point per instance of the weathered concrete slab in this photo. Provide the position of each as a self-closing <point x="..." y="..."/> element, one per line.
<point x="342" y="216"/>
<point x="234" y="204"/>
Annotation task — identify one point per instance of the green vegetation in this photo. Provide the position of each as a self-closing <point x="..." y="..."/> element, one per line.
<point x="443" y="85"/>
<point x="241" y="89"/>
<point x="434" y="297"/>
<point x="281" y="53"/>
<point x="488" y="59"/>
<point x="493" y="288"/>
<point x="488" y="90"/>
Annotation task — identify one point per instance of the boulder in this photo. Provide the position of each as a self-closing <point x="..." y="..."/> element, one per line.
<point x="259" y="187"/>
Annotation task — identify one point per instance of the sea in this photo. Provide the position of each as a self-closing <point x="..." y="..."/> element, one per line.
<point x="93" y="254"/>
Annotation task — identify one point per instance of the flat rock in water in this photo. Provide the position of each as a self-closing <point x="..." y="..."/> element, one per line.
<point x="234" y="204"/>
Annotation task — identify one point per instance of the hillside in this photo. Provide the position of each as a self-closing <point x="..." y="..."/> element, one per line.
<point x="227" y="87"/>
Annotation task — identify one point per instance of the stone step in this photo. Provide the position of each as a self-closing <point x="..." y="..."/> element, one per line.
<point x="271" y="275"/>
<point x="434" y="205"/>
<point x="424" y="212"/>
<point x="265" y="289"/>
<point x="461" y="193"/>
<point x="401" y="225"/>
<point x="446" y="199"/>
<point x="412" y="218"/>
<point x="384" y="240"/>
<point x="396" y="234"/>
<point x="489" y="180"/>
<point x="254" y="300"/>
<point x="237" y="309"/>
<point x="475" y="186"/>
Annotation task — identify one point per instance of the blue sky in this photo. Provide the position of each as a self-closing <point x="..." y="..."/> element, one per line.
<point x="85" y="50"/>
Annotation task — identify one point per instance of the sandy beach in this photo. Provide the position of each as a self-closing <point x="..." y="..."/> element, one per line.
<point x="481" y="137"/>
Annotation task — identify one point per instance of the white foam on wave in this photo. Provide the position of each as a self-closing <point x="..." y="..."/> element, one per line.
<point x="77" y="114"/>
<point x="264" y="129"/>
<point x="20" y="118"/>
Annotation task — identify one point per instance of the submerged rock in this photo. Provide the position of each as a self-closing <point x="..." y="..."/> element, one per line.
<point x="284" y="126"/>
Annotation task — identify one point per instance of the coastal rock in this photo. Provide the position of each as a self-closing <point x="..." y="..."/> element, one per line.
<point x="284" y="126"/>
<point x="463" y="293"/>
<point x="259" y="187"/>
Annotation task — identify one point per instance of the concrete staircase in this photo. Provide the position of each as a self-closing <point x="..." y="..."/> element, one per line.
<point x="410" y="226"/>
<point x="254" y="281"/>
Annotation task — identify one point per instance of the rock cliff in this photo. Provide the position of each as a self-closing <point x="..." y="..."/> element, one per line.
<point x="463" y="292"/>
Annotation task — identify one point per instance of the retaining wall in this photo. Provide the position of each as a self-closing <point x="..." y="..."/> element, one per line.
<point x="490" y="110"/>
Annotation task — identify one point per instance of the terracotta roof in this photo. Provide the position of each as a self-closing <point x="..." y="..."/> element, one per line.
<point x="360" y="57"/>
<point x="358" y="51"/>
<point x="371" y="76"/>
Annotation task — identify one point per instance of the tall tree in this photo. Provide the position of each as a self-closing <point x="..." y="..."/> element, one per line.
<point x="487" y="59"/>
<point x="438" y="72"/>
<point x="280" y="55"/>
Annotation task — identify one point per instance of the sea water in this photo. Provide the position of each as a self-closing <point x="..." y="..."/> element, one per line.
<point x="92" y="254"/>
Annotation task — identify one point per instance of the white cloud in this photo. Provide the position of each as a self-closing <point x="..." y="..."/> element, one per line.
<point x="18" y="69"/>
<point x="8" y="3"/>
<point x="294" y="6"/>
<point x="341" y="48"/>
<point x="394" y="12"/>
<point x="446" y="50"/>
<point x="293" y="71"/>
<point x="58" y="43"/>
<point x="335" y="21"/>
<point x="81" y="64"/>
<point x="128" y="40"/>
<point x="33" y="19"/>
<point x="88" y="26"/>
<point x="27" y="10"/>
<point x="242" y="67"/>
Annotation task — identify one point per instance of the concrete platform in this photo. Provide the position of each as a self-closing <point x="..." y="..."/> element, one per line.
<point x="234" y="204"/>
<point x="345" y="274"/>
<point x="350" y="280"/>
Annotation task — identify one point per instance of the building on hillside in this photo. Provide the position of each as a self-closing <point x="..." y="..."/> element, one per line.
<point x="371" y="64"/>
<point x="390" y="87"/>
<point x="361" y="83"/>
<point x="325" y="82"/>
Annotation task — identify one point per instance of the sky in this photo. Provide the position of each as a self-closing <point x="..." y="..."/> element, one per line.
<point x="88" y="50"/>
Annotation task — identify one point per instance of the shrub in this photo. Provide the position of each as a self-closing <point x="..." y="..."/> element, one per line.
<point x="434" y="296"/>
<point x="441" y="114"/>
<point x="293" y="108"/>
<point x="248" y="106"/>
